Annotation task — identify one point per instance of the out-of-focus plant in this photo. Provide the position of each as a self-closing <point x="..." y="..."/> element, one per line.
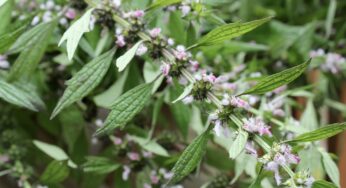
<point x="162" y="93"/>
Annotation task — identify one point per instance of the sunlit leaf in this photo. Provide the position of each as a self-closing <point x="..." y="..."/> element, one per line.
<point x="75" y="33"/>
<point x="323" y="184"/>
<point x="150" y="145"/>
<point x="99" y="165"/>
<point x="125" y="59"/>
<point x="238" y="145"/>
<point x="331" y="168"/>
<point x="162" y="3"/>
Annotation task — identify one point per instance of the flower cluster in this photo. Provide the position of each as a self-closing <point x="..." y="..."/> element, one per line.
<point x="159" y="177"/>
<point x="280" y="155"/>
<point x="333" y="61"/>
<point x="301" y="179"/>
<point x="49" y="10"/>
<point x="203" y="85"/>
<point x="256" y="125"/>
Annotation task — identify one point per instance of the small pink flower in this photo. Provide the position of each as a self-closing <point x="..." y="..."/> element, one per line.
<point x="117" y="141"/>
<point x="133" y="156"/>
<point x="146" y="185"/>
<point x="154" y="178"/>
<point x="4" y="158"/>
<point x="240" y="103"/>
<point x="250" y="149"/>
<point x="3" y="62"/>
<point x="188" y="99"/>
<point x="165" y="68"/>
<point x="137" y="13"/>
<point x="142" y="49"/>
<point x="256" y="125"/>
<point x="120" y="41"/>
<point x="273" y="166"/>
<point x="221" y="129"/>
<point x="318" y="53"/>
<point x="185" y="10"/>
<point x="155" y="32"/>
<point x="170" y="42"/>
<point x="70" y="14"/>
<point x="194" y="65"/>
<point x="147" y="154"/>
<point x="180" y="53"/>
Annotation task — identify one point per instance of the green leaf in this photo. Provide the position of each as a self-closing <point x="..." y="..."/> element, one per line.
<point x="162" y="3"/>
<point x="238" y="145"/>
<point x="16" y="95"/>
<point x="321" y="133"/>
<point x="9" y="38"/>
<point x="125" y="59"/>
<point x="126" y="107"/>
<point x="84" y="81"/>
<point x="150" y="145"/>
<point x="323" y="184"/>
<point x="271" y="82"/>
<point x="56" y="171"/>
<point x="228" y="31"/>
<point x="309" y="117"/>
<point x="190" y="158"/>
<point x="331" y="168"/>
<point x="75" y="33"/>
<point x="99" y="165"/>
<point x="54" y="152"/>
<point x="330" y="17"/>
<point x="33" y="52"/>
<point x="5" y="14"/>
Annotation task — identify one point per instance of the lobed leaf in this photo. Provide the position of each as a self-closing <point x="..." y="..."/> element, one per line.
<point x="125" y="59"/>
<point x="19" y="96"/>
<point x="126" y="107"/>
<point x="190" y="158"/>
<point x="75" y="33"/>
<point x="238" y="145"/>
<point x="54" y="152"/>
<point x="228" y="31"/>
<point x="274" y="81"/>
<point x="99" y="165"/>
<point x="162" y="3"/>
<point x="331" y="168"/>
<point x="55" y="172"/>
<point x="84" y="81"/>
<point x="321" y="133"/>
<point x="33" y="52"/>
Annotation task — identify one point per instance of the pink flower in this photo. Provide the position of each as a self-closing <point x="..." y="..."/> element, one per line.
<point x="120" y="41"/>
<point x="133" y="156"/>
<point x="4" y="158"/>
<point x="185" y="10"/>
<point x="70" y="14"/>
<point x="183" y="81"/>
<point x="147" y="154"/>
<point x="126" y="172"/>
<point x="170" y="42"/>
<point x="274" y="167"/>
<point x="221" y="129"/>
<point x="146" y="185"/>
<point x="165" y="68"/>
<point x="194" y="65"/>
<point x="3" y="62"/>
<point x="180" y="53"/>
<point x="116" y="3"/>
<point x="117" y="141"/>
<point x="155" y="32"/>
<point x="137" y="13"/>
<point x="318" y="53"/>
<point x="154" y="178"/>
<point x="142" y="49"/>
<point x="239" y="103"/>
<point x="188" y="99"/>
<point x="208" y="78"/>
<point x="250" y="149"/>
<point x="256" y="125"/>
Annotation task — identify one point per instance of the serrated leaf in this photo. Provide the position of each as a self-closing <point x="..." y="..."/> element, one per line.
<point x="150" y="145"/>
<point x="54" y="152"/>
<point x="126" y="107"/>
<point x="33" y="52"/>
<point x="162" y="3"/>
<point x="84" y="81"/>
<point x="9" y="38"/>
<point x="274" y="81"/>
<point x="191" y="156"/>
<point x="186" y="92"/>
<point x="125" y="59"/>
<point x="238" y="145"/>
<point x="321" y="133"/>
<point x="17" y="96"/>
<point x="99" y="165"/>
<point x="75" y="32"/>
<point x="323" y="184"/>
<point x="331" y="168"/>
<point x="55" y="172"/>
<point x="228" y="31"/>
